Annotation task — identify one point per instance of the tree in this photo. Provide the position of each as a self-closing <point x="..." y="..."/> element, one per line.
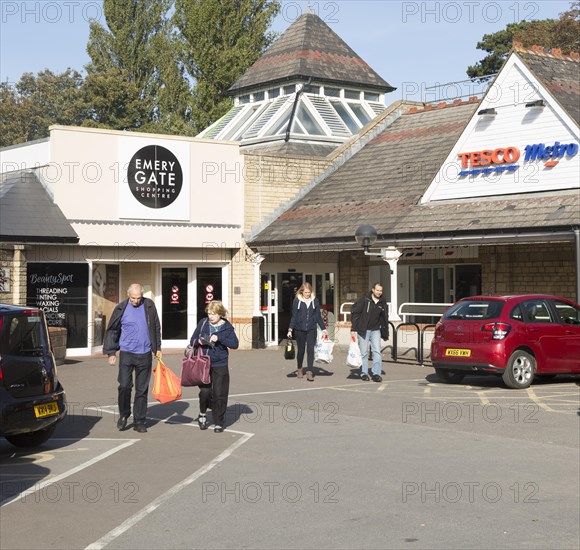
<point x="34" y="103"/>
<point x="219" y="40"/>
<point x="562" y="33"/>
<point x="129" y="45"/>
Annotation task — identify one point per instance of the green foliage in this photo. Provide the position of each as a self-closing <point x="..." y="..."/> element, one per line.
<point x="563" y="33"/>
<point x="29" y="107"/>
<point x="219" y="40"/>
<point x="161" y="66"/>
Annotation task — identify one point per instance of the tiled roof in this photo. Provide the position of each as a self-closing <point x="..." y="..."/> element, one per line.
<point x="558" y="73"/>
<point x="28" y="213"/>
<point x="382" y="184"/>
<point x="310" y="48"/>
<point x="378" y="184"/>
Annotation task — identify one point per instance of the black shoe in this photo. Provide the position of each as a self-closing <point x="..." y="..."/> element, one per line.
<point x="122" y="423"/>
<point x="218" y="429"/>
<point x="377" y="378"/>
<point x="365" y="377"/>
<point x="140" y="428"/>
<point x="202" y="422"/>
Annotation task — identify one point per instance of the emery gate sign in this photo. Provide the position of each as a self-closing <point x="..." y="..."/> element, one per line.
<point x="499" y="160"/>
<point x="155" y="176"/>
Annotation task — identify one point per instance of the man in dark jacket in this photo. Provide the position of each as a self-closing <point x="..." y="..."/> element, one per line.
<point x="135" y="331"/>
<point x="370" y="322"/>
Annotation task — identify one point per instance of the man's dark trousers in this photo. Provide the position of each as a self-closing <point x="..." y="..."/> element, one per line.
<point x="141" y="364"/>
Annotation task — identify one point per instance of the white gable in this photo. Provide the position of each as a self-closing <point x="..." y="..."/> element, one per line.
<point x="517" y="150"/>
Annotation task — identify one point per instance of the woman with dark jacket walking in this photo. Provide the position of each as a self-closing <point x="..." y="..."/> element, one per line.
<point x="216" y="336"/>
<point x="305" y="318"/>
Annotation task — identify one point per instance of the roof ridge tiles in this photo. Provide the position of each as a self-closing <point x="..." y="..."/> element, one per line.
<point x="541" y="51"/>
<point x="441" y="105"/>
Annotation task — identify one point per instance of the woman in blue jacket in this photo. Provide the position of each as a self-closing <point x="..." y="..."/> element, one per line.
<point x="216" y="335"/>
<point x="305" y="318"/>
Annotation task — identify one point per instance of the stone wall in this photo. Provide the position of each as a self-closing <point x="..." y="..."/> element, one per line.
<point x="58" y="343"/>
<point x="271" y="181"/>
<point x="13" y="260"/>
<point x="541" y="268"/>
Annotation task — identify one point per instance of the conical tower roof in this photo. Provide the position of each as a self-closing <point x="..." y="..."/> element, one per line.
<point x="309" y="48"/>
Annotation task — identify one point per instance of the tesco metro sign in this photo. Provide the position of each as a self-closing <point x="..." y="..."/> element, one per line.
<point x="503" y="159"/>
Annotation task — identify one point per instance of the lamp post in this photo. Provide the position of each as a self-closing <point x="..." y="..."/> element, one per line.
<point x="366" y="236"/>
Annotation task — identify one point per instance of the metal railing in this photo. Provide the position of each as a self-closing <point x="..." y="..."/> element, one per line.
<point x="436" y="314"/>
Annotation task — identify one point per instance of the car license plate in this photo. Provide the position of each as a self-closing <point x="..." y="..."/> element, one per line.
<point x="456" y="352"/>
<point x="46" y="410"/>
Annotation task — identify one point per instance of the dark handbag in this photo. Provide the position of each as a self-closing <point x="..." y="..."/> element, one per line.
<point x="289" y="351"/>
<point x="195" y="369"/>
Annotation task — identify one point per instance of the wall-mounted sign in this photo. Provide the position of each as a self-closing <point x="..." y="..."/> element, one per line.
<point x="155" y="182"/>
<point x="539" y="151"/>
<point x="154" y="176"/>
<point x="500" y="158"/>
<point x="490" y="161"/>
<point x="61" y="291"/>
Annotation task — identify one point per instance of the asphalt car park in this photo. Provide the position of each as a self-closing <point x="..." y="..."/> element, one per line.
<point x="336" y="463"/>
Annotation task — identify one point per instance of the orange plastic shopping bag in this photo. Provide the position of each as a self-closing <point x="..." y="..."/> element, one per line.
<point x="166" y="384"/>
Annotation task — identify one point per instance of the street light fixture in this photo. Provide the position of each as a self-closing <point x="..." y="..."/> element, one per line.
<point x="366" y="235"/>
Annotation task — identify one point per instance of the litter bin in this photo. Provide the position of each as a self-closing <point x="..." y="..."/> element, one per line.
<point x="258" y="341"/>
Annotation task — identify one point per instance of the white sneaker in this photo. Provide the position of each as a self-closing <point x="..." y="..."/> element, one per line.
<point x="202" y="422"/>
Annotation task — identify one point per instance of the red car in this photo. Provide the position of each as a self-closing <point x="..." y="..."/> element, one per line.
<point x="517" y="337"/>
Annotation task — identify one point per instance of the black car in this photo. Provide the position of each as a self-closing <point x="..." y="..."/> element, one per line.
<point x="32" y="400"/>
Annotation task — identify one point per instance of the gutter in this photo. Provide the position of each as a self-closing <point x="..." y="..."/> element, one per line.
<point x="561" y="234"/>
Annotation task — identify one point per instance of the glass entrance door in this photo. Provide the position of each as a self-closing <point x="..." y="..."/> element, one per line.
<point x="174" y="303"/>
<point x="209" y="287"/>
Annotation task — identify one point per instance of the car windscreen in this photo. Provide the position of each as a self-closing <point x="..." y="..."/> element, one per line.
<point x="474" y="310"/>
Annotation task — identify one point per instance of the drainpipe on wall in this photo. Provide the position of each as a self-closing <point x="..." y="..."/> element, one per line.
<point x="577" y="235"/>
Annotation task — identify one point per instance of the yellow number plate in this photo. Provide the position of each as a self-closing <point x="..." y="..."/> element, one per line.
<point x="46" y="410"/>
<point x="455" y="352"/>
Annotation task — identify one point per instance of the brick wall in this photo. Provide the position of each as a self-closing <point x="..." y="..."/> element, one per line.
<point x="242" y="296"/>
<point x="272" y="181"/>
<point x="13" y="258"/>
<point x="542" y="268"/>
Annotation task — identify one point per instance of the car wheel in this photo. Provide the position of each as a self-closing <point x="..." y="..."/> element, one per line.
<point x="450" y="376"/>
<point x="31" y="439"/>
<point x="520" y="370"/>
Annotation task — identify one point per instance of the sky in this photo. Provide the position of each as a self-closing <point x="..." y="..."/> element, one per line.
<point x="414" y="46"/>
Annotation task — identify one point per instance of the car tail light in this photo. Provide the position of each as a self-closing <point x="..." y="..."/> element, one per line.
<point x="499" y="330"/>
<point x="439" y="330"/>
<point x="1" y="375"/>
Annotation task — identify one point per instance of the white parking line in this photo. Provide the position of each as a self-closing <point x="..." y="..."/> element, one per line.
<point x="143" y="513"/>
<point x="39" y="486"/>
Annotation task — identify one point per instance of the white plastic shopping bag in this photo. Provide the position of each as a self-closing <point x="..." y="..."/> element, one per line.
<point x="323" y="350"/>
<point x="354" y="357"/>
